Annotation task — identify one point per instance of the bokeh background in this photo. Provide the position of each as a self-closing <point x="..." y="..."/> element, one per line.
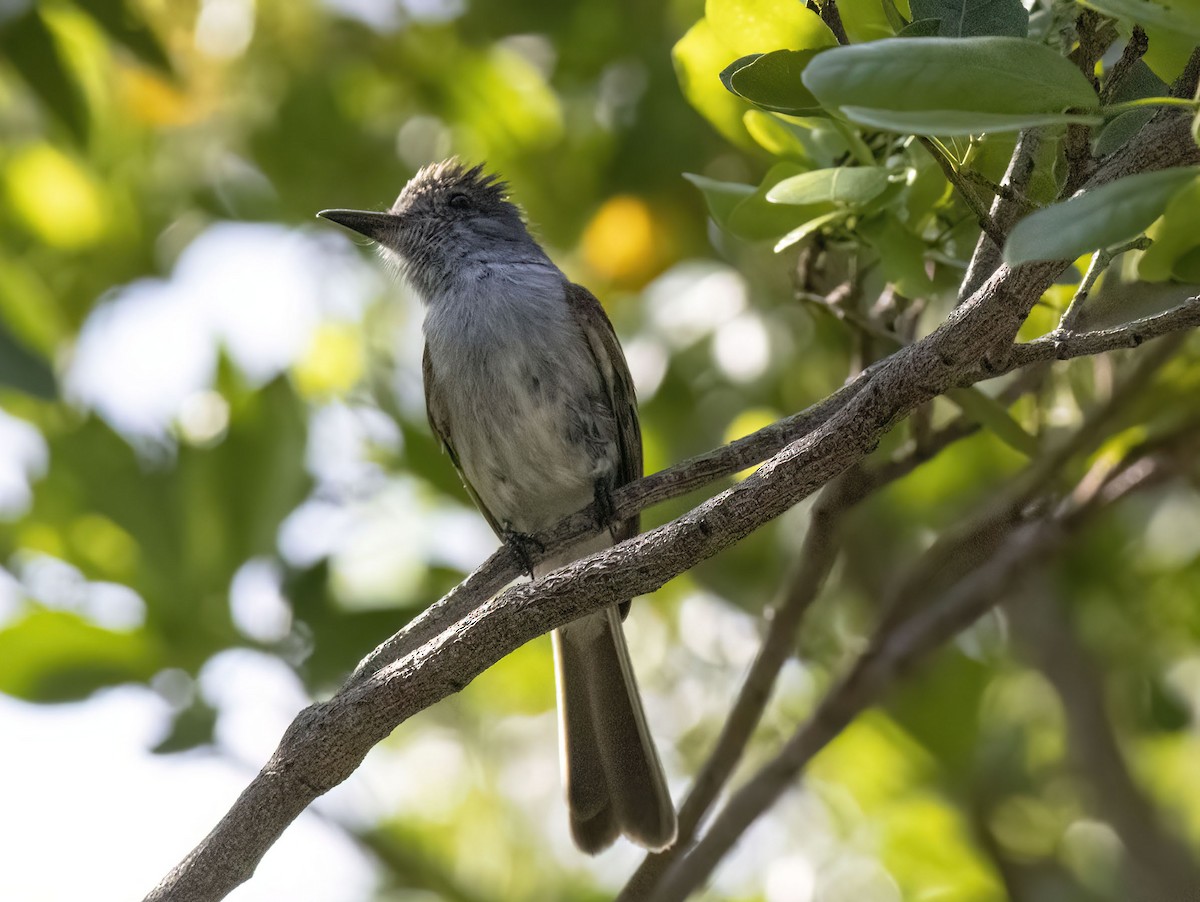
<point x="218" y="490"/>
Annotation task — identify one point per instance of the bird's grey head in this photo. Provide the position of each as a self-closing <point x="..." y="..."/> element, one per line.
<point x="448" y="220"/>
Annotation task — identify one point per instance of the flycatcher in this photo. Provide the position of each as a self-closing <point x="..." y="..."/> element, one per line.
<point x="530" y="395"/>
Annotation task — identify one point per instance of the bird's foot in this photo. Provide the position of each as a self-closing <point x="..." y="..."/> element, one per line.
<point x="525" y="547"/>
<point x="605" y="509"/>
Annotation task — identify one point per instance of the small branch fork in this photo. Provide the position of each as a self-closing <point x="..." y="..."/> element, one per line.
<point x="471" y="628"/>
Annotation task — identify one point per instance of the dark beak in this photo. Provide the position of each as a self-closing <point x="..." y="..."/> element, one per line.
<point x="374" y="225"/>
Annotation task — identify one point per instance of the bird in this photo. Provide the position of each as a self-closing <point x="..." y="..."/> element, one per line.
<point x="529" y="393"/>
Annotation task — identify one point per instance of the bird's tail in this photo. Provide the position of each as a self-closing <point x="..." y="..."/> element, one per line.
<point x="614" y="780"/>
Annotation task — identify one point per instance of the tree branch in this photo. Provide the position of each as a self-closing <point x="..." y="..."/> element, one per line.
<point x="951" y="562"/>
<point x="1004" y="213"/>
<point x="894" y="648"/>
<point x="465" y="633"/>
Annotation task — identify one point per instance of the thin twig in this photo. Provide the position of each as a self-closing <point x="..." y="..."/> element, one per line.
<point x="965" y="191"/>
<point x="1066" y="345"/>
<point x="1101" y="260"/>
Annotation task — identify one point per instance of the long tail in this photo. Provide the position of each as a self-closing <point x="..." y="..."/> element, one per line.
<point x="614" y="780"/>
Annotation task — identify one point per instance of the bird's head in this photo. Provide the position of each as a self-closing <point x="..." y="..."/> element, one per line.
<point x="448" y="217"/>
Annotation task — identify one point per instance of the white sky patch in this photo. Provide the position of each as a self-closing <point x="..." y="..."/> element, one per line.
<point x="224" y="27"/>
<point x="23" y="459"/>
<point x="124" y="816"/>
<point x="689" y="301"/>
<point x="256" y="602"/>
<point x="647" y="359"/>
<point x="393" y="538"/>
<point x="258" y="291"/>
<point x="342" y="440"/>
<point x="742" y="348"/>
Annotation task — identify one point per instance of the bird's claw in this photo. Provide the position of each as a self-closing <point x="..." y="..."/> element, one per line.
<point x="525" y="547"/>
<point x="605" y="509"/>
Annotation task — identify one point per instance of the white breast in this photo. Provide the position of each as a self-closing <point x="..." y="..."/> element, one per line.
<point x="527" y="412"/>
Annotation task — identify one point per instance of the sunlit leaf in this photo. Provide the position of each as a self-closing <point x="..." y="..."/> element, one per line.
<point x="844" y="185"/>
<point x="777" y="137"/>
<point x="55" y="197"/>
<point x="813" y="225"/>
<point x="760" y="26"/>
<point x="698" y="56"/>
<point x="57" y="656"/>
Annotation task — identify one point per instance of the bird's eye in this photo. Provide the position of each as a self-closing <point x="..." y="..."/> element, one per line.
<point x="460" y="201"/>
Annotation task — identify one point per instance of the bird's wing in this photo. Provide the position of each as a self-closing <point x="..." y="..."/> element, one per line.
<point x="435" y="408"/>
<point x="610" y="361"/>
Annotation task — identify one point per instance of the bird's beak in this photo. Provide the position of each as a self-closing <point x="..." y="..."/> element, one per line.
<point x="374" y="225"/>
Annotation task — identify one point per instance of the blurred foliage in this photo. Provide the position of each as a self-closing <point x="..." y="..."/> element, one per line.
<point x="133" y="131"/>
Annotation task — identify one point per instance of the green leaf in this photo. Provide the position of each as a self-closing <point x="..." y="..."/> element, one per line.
<point x="120" y="20"/>
<point x="843" y="185"/>
<point x="772" y="81"/>
<point x="778" y="137"/>
<point x="192" y="727"/>
<point x="721" y="197"/>
<point x="894" y="16"/>
<point x="957" y="122"/>
<point x="921" y="28"/>
<point x="803" y="231"/>
<point x="756" y="219"/>
<point x="1140" y="82"/>
<point x="949" y="86"/>
<point x="24" y="370"/>
<point x="757" y="26"/>
<point x="31" y="48"/>
<point x="901" y="254"/>
<point x="1175" y="236"/>
<point x="972" y="18"/>
<point x="990" y="413"/>
<point x="1103" y="217"/>
<point x="697" y="55"/>
<point x="57" y="656"/>
<point x="1178" y="17"/>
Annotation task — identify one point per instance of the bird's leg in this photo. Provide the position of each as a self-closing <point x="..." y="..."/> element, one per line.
<point x="524" y="547"/>
<point x="605" y="509"/>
